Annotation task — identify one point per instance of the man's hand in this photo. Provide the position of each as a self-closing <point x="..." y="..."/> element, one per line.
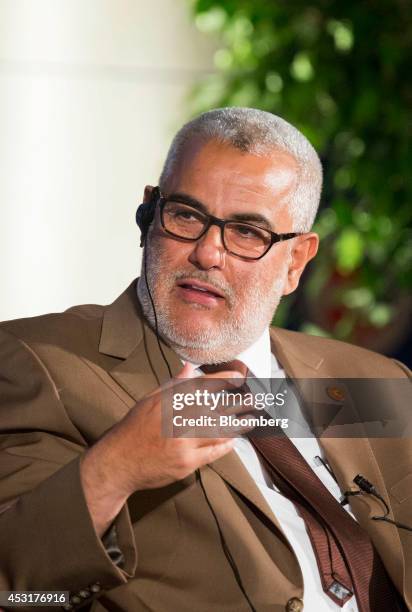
<point x="134" y="454"/>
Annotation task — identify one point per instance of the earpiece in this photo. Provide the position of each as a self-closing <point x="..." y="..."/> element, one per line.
<point x="145" y="215"/>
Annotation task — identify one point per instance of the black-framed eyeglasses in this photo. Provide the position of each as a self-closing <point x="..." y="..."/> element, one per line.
<point x="245" y="240"/>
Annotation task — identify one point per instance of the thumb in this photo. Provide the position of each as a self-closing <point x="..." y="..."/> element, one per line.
<point x="187" y="371"/>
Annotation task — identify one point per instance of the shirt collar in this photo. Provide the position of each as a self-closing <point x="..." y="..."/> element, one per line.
<point x="257" y="357"/>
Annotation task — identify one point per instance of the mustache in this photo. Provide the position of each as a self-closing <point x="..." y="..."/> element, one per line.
<point x="222" y="286"/>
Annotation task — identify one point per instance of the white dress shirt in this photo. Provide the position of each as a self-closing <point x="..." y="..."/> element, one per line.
<point x="263" y="365"/>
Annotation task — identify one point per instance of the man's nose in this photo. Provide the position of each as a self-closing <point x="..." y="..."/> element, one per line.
<point x="209" y="252"/>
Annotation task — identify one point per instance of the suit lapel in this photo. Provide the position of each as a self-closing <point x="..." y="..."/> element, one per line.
<point x="346" y="456"/>
<point x="141" y="369"/>
<point x="232" y="470"/>
<point x="230" y="467"/>
<point x="126" y="335"/>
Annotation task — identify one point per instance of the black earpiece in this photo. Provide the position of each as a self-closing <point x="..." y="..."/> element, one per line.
<point x="145" y="214"/>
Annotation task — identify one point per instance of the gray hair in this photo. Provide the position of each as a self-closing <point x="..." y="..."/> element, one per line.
<point x="257" y="132"/>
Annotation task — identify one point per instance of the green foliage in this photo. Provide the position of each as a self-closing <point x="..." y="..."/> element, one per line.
<point x="340" y="72"/>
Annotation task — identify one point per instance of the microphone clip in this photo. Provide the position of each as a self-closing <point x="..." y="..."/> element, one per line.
<point x="367" y="487"/>
<point x="364" y="484"/>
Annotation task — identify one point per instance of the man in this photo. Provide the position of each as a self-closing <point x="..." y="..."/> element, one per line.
<point x="98" y="502"/>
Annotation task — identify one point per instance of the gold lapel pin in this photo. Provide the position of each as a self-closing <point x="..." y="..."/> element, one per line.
<point x="336" y="393"/>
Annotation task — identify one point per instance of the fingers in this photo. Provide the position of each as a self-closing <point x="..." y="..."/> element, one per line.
<point x="235" y="410"/>
<point x="189" y="371"/>
<point x="213" y="451"/>
<point x="203" y="442"/>
<point x="209" y="390"/>
<point x="213" y="434"/>
<point x="218" y="381"/>
<point x="227" y="378"/>
<point x="226" y="374"/>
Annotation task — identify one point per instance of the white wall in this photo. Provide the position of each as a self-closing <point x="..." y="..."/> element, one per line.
<point x="91" y="92"/>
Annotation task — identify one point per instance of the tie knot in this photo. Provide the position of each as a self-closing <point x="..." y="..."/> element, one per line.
<point x="235" y="365"/>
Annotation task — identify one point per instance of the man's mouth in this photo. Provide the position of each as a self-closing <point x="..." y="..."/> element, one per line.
<point x="199" y="292"/>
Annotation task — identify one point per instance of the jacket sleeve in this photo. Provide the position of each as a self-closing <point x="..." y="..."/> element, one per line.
<point x="47" y="538"/>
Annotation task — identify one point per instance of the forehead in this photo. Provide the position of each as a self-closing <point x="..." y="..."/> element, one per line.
<point x="227" y="179"/>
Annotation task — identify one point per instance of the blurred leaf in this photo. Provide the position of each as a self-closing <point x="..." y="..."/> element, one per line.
<point x="223" y="59"/>
<point x="338" y="71"/>
<point x="358" y="298"/>
<point x="349" y="249"/>
<point x="342" y="34"/>
<point x="380" y="315"/>
<point x="314" y="330"/>
<point x="301" y="68"/>
<point x="212" y="20"/>
<point x="274" y="82"/>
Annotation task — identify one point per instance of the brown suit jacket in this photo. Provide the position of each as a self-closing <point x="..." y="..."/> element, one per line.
<point x="65" y="379"/>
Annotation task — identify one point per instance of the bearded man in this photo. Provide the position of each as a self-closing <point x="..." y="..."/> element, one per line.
<point x="98" y="502"/>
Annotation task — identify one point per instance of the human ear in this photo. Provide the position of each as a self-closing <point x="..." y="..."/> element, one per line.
<point x="303" y="250"/>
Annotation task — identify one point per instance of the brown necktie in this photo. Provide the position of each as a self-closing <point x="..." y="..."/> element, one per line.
<point x="345" y="554"/>
<point x="347" y="561"/>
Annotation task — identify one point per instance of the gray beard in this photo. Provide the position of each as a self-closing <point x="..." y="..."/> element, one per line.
<point x="224" y="341"/>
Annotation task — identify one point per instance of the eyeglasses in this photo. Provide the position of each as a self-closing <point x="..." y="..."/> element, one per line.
<point x="244" y="240"/>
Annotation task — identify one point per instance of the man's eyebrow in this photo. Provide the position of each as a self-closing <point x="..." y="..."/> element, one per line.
<point x="254" y="218"/>
<point x="245" y="217"/>
<point x="179" y="196"/>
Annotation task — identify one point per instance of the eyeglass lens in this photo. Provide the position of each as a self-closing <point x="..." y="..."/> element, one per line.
<point x="240" y="238"/>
